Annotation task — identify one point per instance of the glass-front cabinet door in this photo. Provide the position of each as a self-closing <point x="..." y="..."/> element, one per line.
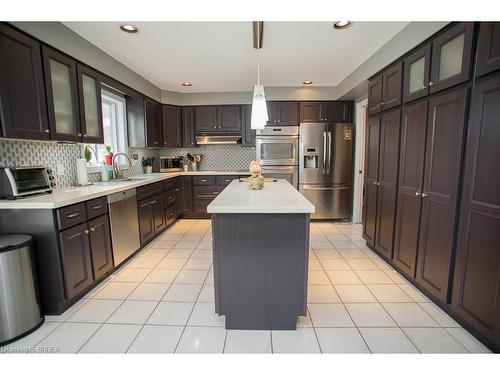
<point x="416" y="74"/>
<point x="62" y="96"/>
<point x="89" y="89"/>
<point x="451" y="56"/>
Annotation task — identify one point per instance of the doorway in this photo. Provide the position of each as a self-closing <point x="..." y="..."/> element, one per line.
<point x="359" y="160"/>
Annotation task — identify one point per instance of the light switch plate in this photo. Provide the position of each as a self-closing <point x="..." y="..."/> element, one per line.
<point x="60" y="169"/>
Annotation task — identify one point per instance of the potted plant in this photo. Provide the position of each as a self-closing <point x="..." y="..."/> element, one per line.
<point x="147" y="163"/>
<point x="108" y="158"/>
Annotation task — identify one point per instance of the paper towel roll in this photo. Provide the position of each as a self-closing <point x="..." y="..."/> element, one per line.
<point x="81" y="172"/>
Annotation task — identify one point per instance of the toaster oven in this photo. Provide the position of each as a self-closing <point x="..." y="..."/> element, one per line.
<point x="16" y="182"/>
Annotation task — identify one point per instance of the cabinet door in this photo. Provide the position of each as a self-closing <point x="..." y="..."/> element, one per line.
<point x="205" y="118"/>
<point x="136" y="121"/>
<point x="445" y="128"/>
<point x="76" y="259"/>
<point x="229" y="118"/>
<point x="311" y="112"/>
<point x="476" y="287"/>
<point x="153" y="123"/>
<point x="371" y="179"/>
<point x="451" y="56"/>
<point x="187" y="194"/>
<point x="146" y="224"/>
<point x="390" y="125"/>
<point x="416" y="74"/>
<point x="171" y="120"/>
<point x="375" y="95"/>
<point x="272" y="113"/>
<point x="411" y="172"/>
<point x="287" y="113"/>
<point x="488" y="49"/>
<point x="100" y="246"/>
<point x="89" y="90"/>
<point x="179" y="197"/>
<point x="335" y="112"/>
<point x="188" y="139"/>
<point x="62" y="96"/>
<point x="23" y="109"/>
<point x="391" y="86"/>
<point x="248" y="134"/>
<point x="157" y="209"/>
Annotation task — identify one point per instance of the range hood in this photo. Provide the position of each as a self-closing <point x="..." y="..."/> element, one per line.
<point x="217" y="139"/>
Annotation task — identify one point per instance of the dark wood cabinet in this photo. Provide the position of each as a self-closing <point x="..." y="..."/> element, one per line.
<point x="205" y="118"/>
<point x="153" y="123"/>
<point x="146" y="224"/>
<point x="445" y="128"/>
<point x="23" y="107"/>
<point x="229" y="118"/>
<point x="188" y="138"/>
<point x="90" y="102"/>
<point x="172" y="126"/>
<point x="451" y="57"/>
<point x="187" y="195"/>
<point x="411" y="173"/>
<point x="416" y="74"/>
<point x="179" y="197"/>
<point x="476" y="286"/>
<point x="387" y="181"/>
<point x="248" y="134"/>
<point x="371" y="178"/>
<point x="488" y="49"/>
<point x="375" y="95"/>
<point x="76" y="259"/>
<point x="100" y="246"/>
<point x="61" y="88"/>
<point x="391" y="86"/>
<point x="325" y="112"/>
<point x="157" y="209"/>
<point x="136" y="121"/>
<point x="283" y="113"/>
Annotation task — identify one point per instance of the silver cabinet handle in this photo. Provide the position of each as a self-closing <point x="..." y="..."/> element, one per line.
<point x="424" y="195"/>
<point x="374" y="182"/>
<point x="85" y="136"/>
<point x="203" y="180"/>
<point x="215" y="192"/>
<point x="431" y="83"/>
<point x="79" y="134"/>
<point x="92" y="229"/>
<point x="378" y="183"/>
<point x="97" y="207"/>
<point x="73" y="215"/>
<point x="153" y="202"/>
<point x="424" y="87"/>
<point x="46" y="131"/>
<point x="417" y="193"/>
<point x="86" y="231"/>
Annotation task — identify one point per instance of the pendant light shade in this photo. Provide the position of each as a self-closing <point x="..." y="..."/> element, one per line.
<point x="259" y="108"/>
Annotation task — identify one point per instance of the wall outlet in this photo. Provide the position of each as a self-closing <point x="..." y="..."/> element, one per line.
<point x="60" y="169"/>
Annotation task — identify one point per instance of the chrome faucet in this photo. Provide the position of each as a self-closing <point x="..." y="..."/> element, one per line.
<point x="116" y="170"/>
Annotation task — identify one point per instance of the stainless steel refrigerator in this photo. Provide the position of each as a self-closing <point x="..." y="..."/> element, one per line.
<point x="325" y="168"/>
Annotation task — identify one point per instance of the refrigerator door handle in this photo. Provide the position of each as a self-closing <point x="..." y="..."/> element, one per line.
<point x="324" y="152"/>
<point x="329" y="152"/>
<point x="315" y="187"/>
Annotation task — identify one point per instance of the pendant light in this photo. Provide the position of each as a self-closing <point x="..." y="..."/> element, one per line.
<point x="259" y="116"/>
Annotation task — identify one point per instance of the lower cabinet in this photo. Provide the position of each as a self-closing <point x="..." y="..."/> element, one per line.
<point x="100" y="246"/>
<point x="151" y="218"/>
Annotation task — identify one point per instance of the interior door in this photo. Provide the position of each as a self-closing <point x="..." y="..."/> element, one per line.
<point x="443" y="153"/>
<point x="411" y="172"/>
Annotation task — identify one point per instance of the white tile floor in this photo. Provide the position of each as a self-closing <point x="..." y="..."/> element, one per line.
<point x="162" y="301"/>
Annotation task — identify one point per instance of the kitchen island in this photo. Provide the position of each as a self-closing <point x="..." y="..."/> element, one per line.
<point x="261" y="252"/>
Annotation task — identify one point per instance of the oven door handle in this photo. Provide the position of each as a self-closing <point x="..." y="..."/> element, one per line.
<point x="324" y="153"/>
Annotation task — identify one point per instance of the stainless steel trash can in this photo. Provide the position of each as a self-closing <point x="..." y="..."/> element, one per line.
<point x="20" y="311"/>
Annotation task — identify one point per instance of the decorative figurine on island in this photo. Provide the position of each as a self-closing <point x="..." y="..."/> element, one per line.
<point x="256" y="179"/>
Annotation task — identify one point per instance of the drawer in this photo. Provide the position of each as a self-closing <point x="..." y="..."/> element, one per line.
<point x="169" y="197"/>
<point x="170" y="214"/>
<point x="169" y="184"/>
<point x="204" y="180"/>
<point x="225" y="180"/>
<point x="206" y="192"/>
<point x="71" y="215"/>
<point x="149" y="190"/>
<point x="96" y="207"/>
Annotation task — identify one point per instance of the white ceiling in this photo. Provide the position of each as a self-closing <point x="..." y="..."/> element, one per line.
<point x="218" y="56"/>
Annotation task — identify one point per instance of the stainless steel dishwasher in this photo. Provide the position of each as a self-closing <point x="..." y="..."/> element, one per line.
<point x="124" y="224"/>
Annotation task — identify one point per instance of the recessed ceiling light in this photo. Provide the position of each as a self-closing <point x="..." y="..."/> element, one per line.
<point x="131" y="29"/>
<point x="307" y="82"/>
<point x="187" y="84"/>
<point x="342" y="25"/>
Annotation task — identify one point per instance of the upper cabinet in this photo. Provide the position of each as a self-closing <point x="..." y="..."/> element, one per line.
<point x="136" y="121"/>
<point x="62" y="95"/>
<point x="153" y="123"/>
<point x="325" y="111"/>
<point x="21" y="82"/>
<point x="416" y="73"/>
<point x="206" y="118"/>
<point x="283" y="113"/>
<point x="218" y="119"/>
<point x="384" y="90"/>
<point x="188" y="139"/>
<point x="248" y="134"/>
<point x="375" y="95"/>
<point x="89" y="90"/>
<point x="488" y="49"/>
<point x="171" y="120"/>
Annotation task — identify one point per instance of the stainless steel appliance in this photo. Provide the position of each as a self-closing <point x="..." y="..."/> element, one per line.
<point x="16" y="182"/>
<point x="213" y="139"/>
<point x="20" y="311"/>
<point x="171" y="164"/>
<point x="325" y="168"/>
<point x="277" y="151"/>
<point x="124" y="224"/>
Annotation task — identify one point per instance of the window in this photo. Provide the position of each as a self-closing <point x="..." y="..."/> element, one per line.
<point x="114" y="127"/>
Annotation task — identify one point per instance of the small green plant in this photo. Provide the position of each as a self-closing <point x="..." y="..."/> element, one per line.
<point x="87" y="153"/>
<point x="109" y="149"/>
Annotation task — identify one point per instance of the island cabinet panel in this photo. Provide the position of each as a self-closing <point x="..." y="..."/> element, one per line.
<point x="375" y="95"/>
<point x="172" y="126"/>
<point x="411" y="172"/>
<point x="476" y="286"/>
<point x="260" y="269"/>
<point x="100" y="245"/>
<point x="391" y="86"/>
<point x="488" y="49"/>
<point x="188" y="139"/>
<point x="76" y="259"/>
<point x="23" y="108"/>
<point x="445" y="130"/>
<point x="371" y="179"/>
<point x="387" y="181"/>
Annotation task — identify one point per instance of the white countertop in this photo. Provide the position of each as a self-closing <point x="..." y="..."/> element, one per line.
<point x="65" y="196"/>
<point x="275" y="198"/>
